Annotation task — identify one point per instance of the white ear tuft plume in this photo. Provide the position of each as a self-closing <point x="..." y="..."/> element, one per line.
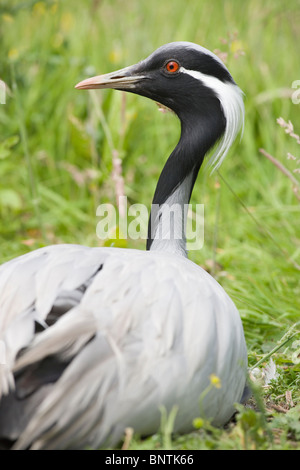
<point x="234" y="111"/>
<point x="231" y="99"/>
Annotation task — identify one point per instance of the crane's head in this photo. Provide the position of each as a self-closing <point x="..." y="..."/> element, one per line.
<point x="191" y="81"/>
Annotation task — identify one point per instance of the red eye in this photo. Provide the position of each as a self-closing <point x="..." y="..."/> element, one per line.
<point x="172" y="66"/>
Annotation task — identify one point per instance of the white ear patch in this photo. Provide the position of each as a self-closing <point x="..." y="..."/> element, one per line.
<point x="231" y="99"/>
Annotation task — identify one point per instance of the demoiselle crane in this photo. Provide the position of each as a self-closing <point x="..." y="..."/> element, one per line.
<point x="99" y="339"/>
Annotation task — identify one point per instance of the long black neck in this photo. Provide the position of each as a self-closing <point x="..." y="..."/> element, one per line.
<point x="199" y="132"/>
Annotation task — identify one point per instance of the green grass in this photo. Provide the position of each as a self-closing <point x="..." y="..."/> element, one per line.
<point x="56" y="148"/>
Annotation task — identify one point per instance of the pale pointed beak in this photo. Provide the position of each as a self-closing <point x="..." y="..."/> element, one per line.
<point x="124" y="79"/>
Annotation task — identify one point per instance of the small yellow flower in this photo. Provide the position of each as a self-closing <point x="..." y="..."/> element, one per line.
<point x="198" y="423"/>
<point x="236" y="46"/>
<point x="67" y="22"/>
<point x="13" y="54"/>
<point x="7" y="18"/>
<point x="215" y="381"/>
<point x="115" y="56"/>
<point x="53" y="8"/>
<point x="39" y="9"/>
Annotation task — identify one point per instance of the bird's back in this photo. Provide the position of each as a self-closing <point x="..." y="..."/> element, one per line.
<point x="99" y="339"/>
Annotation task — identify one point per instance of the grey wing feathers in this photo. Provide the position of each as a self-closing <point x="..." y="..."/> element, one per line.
<point x="30" y="286"/>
